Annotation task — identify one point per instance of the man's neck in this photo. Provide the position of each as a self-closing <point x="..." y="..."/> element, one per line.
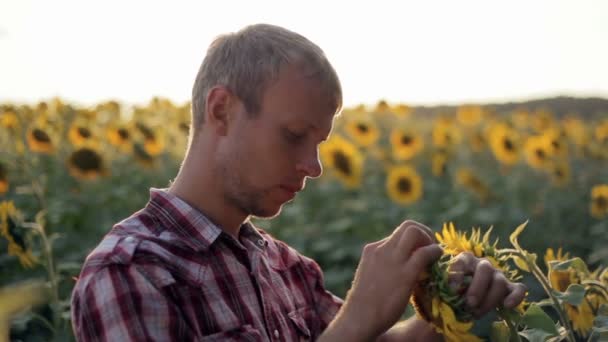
<point x="200" y="190"/>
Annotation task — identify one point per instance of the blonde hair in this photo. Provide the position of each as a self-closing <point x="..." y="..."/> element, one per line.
<point x="248" y="61"/>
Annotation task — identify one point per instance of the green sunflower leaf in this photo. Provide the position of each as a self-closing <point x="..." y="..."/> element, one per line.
<point x="535" y="318"/>
<point x="574" y="295"/>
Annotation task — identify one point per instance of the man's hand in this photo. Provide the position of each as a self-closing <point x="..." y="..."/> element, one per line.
<point x="489" y="287"/>
<point x="386" y="275"/>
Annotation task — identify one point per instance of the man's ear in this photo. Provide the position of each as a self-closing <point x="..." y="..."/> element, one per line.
<point x="220" y="109"/>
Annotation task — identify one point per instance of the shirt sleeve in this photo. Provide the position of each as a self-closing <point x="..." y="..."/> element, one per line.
<point x="119" y="303"/>
<point x="327" y="304"/>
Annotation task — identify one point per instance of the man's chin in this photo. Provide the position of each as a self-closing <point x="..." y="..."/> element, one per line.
<point x="267" y="213"/>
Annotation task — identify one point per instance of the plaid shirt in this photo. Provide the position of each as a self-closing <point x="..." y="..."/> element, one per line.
<point x="169" y="274"/>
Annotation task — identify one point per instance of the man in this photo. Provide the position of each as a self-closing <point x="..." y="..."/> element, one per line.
<point x="190" y="266"/>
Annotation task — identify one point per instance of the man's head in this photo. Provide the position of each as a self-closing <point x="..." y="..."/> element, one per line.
<point x="248" y="61"/>
<point x="263" y="100"/>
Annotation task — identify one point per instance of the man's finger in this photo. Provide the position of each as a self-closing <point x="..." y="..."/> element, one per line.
<point x="499" y="288"/>
<point x="482" y="278"/>
<point x="422" y="257"/>
<point x="517" y="294"/>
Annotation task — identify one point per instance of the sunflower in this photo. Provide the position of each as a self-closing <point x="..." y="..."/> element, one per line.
<point x="599" y="201"/>
<point x="9" y="120"/>
<point x="401" y="110"/>
<point x="120" y="137"/>
<point x="601" y="131"/>
<point x="405" y="144"/>
<point x="363" y="131"/>
<point x="560" y="173"/>
<point x="504" y="143"/>
<point x="521" y="118"/>
<point x="9" y="218"/>
<point x="3" y="179"/>
<point x="153" y="143"/>
<point x="343" y="159"/>
<point x="86" y="163"/>
<point x="582" y="315"/>
<point x="556" y="140"/>
<point x="404" y="184"/>
<point x="469" y="180"/>
<point x="445" y="134"/>
<point x="576" y="131"/>
<point x="382" y="107"/>
<point x="469" y="115"/>
<point x="435" y="301"/>
<point x="39" y="141"/>
<point x="537" y="152"/>
<point x="439" y="163"/>
<point x="142" y="157"/>
<point x="477" y="141"/>
<point x="79" y="135"/>
<point x="542" y="120"/>
<point x="455" y="242"/>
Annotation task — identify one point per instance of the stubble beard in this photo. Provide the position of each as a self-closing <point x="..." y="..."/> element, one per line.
<point x="246" y="197"/>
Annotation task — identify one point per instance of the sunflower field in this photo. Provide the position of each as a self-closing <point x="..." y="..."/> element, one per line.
<point x="525" y="188"/>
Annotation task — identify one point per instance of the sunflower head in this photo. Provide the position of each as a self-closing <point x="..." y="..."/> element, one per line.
<point x="469" y="115"/>
<point x="560" y="173"/>
<point x="86" y="163"/>
<point x="10" y="218"/>
<point x="504" y="142"/>
<point x="447" y="313"/>
<point x="79" y="135"/>
<point x="445" y="134"/>
<point x="142" y="157"/>
<point x="601" y="132"/>
<point x="9" y="120"/>
<point x="363" y="131"/>
<point x="599" y="201"/>
<point x="439" y="163"/>
<point x="40" y="141"/>
<point x="468" y="179"/>
<point x="343" y="160"/>
<point x="404" y="184"/>
<point x="405" y="144"/>
<point x="537" y="152"/>
<point x="3" y="179"/>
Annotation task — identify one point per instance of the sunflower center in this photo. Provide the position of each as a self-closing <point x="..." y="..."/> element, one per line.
<point x="342" y="162"/>
<point x="404" y="185"/>
<point x="12" y="231"/>
<point x="84" y="132"/>
<point x="41" y="135"/>
<point x="86" y="159"/>
<point x="123" y="133"/>
<point x="555" y="144"/>
<point x="406" y="140"/>
<point x="559" y="173"/>
<point x="362" y="128"/>
<point x="601" y="202"/>
<point x="540" y="153"/>
<point x="508" y="144"/>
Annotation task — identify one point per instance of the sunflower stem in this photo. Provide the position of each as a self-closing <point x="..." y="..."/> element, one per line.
<point x="48" y="253"/>
<point x="538" y="273"/>
<point x="513" y="333"/>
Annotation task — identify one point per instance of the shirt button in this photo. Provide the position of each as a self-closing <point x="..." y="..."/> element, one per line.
<point x="129" y="239"/>
<point x="276" y="333"/>
<point x="261" y="242"/>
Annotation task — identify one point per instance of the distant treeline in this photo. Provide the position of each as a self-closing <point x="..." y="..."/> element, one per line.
<point x="593" y="107"/>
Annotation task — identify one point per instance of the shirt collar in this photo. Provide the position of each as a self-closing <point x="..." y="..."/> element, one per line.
<point x="197" y="230"/>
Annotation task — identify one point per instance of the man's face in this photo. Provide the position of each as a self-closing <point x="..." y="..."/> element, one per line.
<point x="265" y="160"/>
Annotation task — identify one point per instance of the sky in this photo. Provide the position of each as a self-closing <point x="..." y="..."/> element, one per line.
<point x="414" y="52"/>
